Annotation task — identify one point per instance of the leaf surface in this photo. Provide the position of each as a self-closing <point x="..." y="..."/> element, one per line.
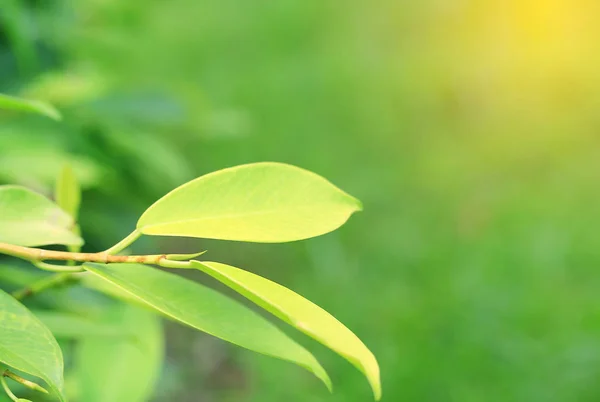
<point x="30" y="219"/>
<point x="122" y="369"/>
<point x="207" y="310"/>
<point x="28" y="346"/>
<point x="300" y="313"/>
<point x="68" y="192"/>
<point x="261" y="202"/>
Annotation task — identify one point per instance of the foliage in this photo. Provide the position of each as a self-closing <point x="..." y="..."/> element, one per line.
<point x="28" y="345"/>
<point x="261" y="202"/>
<point x="30" y="219"/>
<point x="468" y="129"/>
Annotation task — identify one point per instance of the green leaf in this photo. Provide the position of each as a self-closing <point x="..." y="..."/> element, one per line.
<point x="18" y="275"/>
<point x="69" y="325"/>
<point x="27" y="345"/>
<point x="208" y="311"/>
<point x="30" y="219"/>
<point x="30" y="106"/>
<point x="35" y="160"/>
<point x="122" y="369"/>
<point x="300" y="313"/>
<point x="68" y="192"/>
<point x="261" y="202"/>
<point x="101" y="285"/>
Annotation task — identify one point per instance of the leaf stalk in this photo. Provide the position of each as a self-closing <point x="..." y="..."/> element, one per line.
<point x="15" y="377"/>
<point x="123" y="244"/>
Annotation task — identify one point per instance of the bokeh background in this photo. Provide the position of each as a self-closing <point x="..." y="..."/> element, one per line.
<point x="469" y="129"/>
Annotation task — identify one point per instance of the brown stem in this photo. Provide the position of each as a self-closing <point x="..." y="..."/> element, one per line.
<point x="37" y="254"/>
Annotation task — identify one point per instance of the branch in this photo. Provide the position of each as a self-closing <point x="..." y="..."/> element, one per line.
<point x="38" y="254"/>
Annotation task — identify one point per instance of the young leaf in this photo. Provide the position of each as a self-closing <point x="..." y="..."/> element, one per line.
<point x="300" y="313"/>
<point x="27" y="345"/>
<point x="122" y="369"/>
<point x="30" y="219"/>
<point x="261" y="202"/>
<point x="208" y="311"/>
<point x="31" y="106"/>
<point x="68" y="192"/>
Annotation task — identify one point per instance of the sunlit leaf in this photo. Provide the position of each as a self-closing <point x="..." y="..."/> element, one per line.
<point x="207" y="310"/>
<point x="68" y="192"/>
<point x="260" y="202"/>
<point x="28" y="346"/>
<point x="30" y="106"/>
<point x="300" y="313"/>
<point x="30" y="219"/>
<point x="122" y="369"/>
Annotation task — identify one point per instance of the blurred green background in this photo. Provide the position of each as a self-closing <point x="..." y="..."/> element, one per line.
<point x="469" y="129"/>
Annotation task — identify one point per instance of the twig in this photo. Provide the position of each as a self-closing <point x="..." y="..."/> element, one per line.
<point x="15" y="377"/>
<point x="46" y="283"/>
<point x="37" y="254"/>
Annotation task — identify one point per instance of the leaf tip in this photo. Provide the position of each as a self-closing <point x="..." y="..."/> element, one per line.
<point x="184" y="257"/>
<point x="322" y="375"/>
<point x="374" y="379"/>
<point x="359" y="205"/>
<point x="377" y="392"/>
<point x="48" y="110"/>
